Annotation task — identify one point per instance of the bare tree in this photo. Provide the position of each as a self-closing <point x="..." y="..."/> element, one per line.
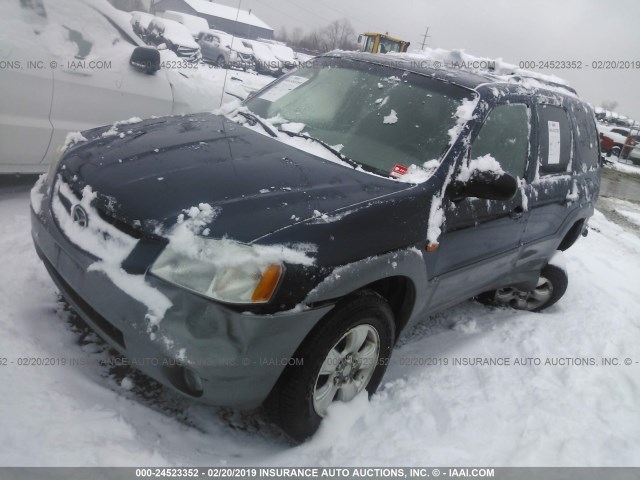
<point x="339" y="34"/>
<point x="610" y="105"/>
<point x="296" y="35"/>
<point x="282" y="35"/>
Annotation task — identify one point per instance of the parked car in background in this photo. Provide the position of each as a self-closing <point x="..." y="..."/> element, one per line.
<point x="271" y="267"/>
<point x="140" y="22"/>
<point x="616" y="141"/>
<point x="175" y="36"/>
<point x="282" y="52"/>
<point x="79" y="77"/>
<point x="225" y="50"/>
<point x="266" y="62"/>
<point x="194" y="24"/>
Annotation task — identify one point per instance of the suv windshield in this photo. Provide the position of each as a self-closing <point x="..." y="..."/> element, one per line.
<point x="377" y="116"/>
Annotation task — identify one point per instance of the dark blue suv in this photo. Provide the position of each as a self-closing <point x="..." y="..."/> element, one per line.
<point x="273" y="255"/>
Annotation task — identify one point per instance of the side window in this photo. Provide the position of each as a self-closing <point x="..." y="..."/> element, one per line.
<point x="505" y="136"/>
<point x="216" y="41"/>
<point x="554" y="153"/>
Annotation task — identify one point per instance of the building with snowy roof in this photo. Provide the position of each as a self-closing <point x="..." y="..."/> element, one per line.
<point x="242" y="23"/>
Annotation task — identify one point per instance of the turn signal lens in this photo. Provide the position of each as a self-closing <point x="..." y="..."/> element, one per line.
<point x="267" y="285"/>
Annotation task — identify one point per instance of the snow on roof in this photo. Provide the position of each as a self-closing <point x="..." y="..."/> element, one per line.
<point x="177" y="33"/>
<point x="223" y="11"/>
<point x="193" y="23"/>
<point x="495" y="67"/>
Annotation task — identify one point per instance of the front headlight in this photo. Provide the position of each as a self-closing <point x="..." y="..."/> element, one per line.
<point x="238" y="276"/>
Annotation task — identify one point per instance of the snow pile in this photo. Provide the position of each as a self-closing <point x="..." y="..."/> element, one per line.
<point x="436" y="212"/>
<point x="292" y="127"/>
<point x="573" y="195"/>
<point x="559" y="260"/>
<point x="113" y="131"/>
<point x="36" y="194"/>
<point x="71" y="139"/>
<point x="485" y="164"/>
<point x="391" y="118"/>
<point x="464" y="113"/>
<point x="185" y="239"/>
<point x="111" y="246"/>
<point x="460" y="59"/>
<point x="416" y="174"/>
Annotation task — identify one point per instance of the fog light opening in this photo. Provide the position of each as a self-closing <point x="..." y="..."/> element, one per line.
<point x="193" y="381"/>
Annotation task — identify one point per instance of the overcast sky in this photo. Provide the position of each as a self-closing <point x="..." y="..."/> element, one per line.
<point x="515" y="30"/>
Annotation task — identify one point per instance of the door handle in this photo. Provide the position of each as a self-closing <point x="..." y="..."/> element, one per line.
<point x="517" y="212"/>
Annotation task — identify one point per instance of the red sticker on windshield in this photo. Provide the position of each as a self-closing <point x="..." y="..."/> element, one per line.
<point x="398" y="170"/>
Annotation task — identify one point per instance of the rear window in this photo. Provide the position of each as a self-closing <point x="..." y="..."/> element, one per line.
<point x="555" y="150"/>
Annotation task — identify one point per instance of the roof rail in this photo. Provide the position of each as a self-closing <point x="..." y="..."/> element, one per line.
<point x="521" y="76"/>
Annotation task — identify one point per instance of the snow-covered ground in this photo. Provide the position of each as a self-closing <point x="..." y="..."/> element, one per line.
<point x="622" y="166"/>
<point x="92" y="414"/>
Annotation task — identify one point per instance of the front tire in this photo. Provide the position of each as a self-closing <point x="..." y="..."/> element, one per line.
<point x="551" y="286"/>
<point x="345" y="354"/>
<point x="220" y="62"/>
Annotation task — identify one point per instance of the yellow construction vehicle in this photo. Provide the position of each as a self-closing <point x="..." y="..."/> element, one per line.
<point x="381" y="43"/>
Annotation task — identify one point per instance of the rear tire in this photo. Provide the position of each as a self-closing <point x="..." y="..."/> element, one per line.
<point x="345" y="354"/>
<point x="552" y="285"/>
<point x="220" y="62"/>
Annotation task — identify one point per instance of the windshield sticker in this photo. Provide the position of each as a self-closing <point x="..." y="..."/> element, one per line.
<point x="281" y="89"/>
<point x="398" y="170"/>
<point x="553" y="157"/>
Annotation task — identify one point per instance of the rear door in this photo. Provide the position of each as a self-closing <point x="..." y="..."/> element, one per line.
<point x="555" y="189"/>
<point x="481" y="238"/>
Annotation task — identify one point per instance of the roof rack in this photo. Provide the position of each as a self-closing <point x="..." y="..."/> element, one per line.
<point x="520" y="77"/>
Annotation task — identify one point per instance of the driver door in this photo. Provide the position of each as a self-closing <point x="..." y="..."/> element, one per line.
<point x="481" y="239"/>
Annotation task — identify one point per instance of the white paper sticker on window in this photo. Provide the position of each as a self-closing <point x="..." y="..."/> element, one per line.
<point x="553" y="157"/>
<point x="281" y="89"/>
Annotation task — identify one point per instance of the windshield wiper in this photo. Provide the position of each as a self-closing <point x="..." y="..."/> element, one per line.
<point x="337" y="153"/>
<point x="253" y="119"/>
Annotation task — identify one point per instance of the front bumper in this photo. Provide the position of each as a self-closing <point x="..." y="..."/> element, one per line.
<point x="238" y="356"/>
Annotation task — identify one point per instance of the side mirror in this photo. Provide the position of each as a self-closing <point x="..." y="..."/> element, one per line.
<point x="145" y="59"/>
<point x="359" y="38"/>
<point x="485" y="185"/>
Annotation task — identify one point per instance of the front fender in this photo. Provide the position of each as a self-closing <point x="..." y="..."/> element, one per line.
<point x="346" y="279"/>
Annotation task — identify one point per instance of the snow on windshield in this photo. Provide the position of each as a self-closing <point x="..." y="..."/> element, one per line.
<point x="386" y="120"/>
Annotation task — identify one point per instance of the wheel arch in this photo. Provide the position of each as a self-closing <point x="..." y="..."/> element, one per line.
<point x="396" y="276"/>
<point x="572" y="234"/>
<point x="400" y="293"/>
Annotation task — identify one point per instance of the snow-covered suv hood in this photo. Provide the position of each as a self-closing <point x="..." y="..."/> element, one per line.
<point x="151" y="172"/>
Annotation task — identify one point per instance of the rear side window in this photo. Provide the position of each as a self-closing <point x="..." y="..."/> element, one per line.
<point x="505" y="136"/>
<point x="587" y="137"/>
<point x="555" y="140"/>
